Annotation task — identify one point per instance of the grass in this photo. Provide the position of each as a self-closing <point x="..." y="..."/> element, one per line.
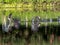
<point x="26" y="0"/>
<point x="31" y="14"/>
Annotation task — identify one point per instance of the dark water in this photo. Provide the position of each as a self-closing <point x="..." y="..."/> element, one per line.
<point x="41" y="32"/>
<point x="50" y="29"/>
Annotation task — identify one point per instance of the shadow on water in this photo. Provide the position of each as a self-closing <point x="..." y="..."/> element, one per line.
<point x="0" y="27"/>
<point x="55" y="29"/>
<point x="49" y="30"/>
